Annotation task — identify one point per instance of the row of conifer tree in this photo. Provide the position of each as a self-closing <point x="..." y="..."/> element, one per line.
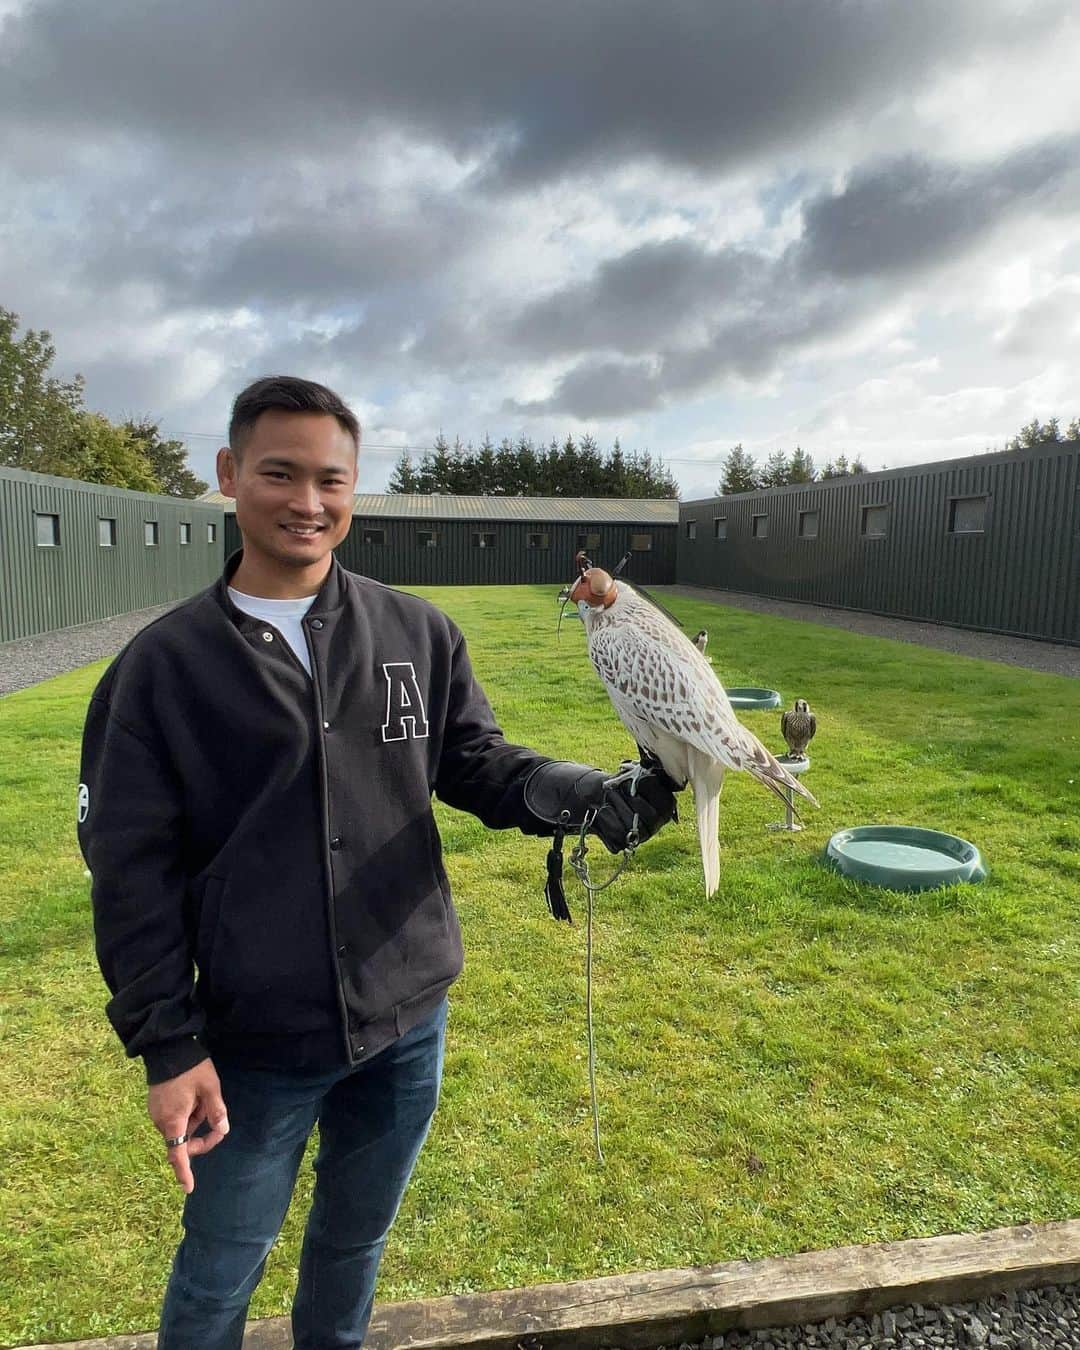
<point x="521" y="468"/>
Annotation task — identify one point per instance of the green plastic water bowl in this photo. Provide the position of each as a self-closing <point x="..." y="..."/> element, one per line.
<point x="745" y="698"/>
<point x="904" y="857"/>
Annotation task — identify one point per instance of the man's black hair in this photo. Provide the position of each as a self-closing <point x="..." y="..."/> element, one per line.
<point x="287" y="393"/>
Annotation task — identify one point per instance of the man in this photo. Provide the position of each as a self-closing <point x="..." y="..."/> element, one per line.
<point x="255" y="805"/>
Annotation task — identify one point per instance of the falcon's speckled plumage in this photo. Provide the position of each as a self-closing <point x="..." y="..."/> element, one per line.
<point x="669" y="699"/>
<point x="797" y="726"/>
<point x="701" y="638"/>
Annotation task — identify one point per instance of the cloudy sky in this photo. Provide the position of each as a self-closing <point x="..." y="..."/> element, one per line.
<point x="847" y="224"/>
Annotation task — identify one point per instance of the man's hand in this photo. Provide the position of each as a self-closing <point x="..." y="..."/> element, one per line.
<point x="561" y="793"/>
<point x="179" y="1106"/>
<point x="651" y="805"/>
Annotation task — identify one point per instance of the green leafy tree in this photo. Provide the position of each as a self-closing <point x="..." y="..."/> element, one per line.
<point x="857" y="466"/>
<point x="837" y="468"/>
<point x="1036" y="433"/>
<point x="801" y="467"/>
<point x="437" y="468"/>
<point x="548" y="481"/>
<point x="590" y="467"/>
<point x="486" y="468"/>
<point x="38" y="412"/>
<point x="506" y="471"/>
<point x="97" y="451"/>
<point x="740" y="472"/>
<point x="647" y="477"/>
<point x="775" y="472"/>
<point x="519" y="469"/>
<point x="404" y="477"/>
<point x="167" y="459"/>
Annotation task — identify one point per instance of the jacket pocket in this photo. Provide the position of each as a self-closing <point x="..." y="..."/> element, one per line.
<point x="439" y="871"/>
<point x="209" y="926"/>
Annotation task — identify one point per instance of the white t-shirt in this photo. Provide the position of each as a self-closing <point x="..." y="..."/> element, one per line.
<point x="285" y="615"/>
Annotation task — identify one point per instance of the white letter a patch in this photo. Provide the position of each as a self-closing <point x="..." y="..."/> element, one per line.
<point x="405" y="713"/>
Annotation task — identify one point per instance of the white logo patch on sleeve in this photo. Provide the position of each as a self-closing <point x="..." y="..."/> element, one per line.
<point x="84" y="803"/>
<point x="406" y="715"/>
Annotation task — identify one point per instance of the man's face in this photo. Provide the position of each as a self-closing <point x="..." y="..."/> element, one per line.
<point x="293" y="484"/>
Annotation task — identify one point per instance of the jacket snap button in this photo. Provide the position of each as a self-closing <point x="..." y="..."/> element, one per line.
<point x="343" y="949"/>
<point x="268" y="637"/>
<point x="336" y="842"/>
<point x="316" y="623"/>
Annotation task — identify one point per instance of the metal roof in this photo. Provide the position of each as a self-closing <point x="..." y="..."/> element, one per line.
<point x="586" y="510"/>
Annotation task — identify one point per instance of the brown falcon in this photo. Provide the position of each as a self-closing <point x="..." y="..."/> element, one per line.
<point x="797" y="726"/>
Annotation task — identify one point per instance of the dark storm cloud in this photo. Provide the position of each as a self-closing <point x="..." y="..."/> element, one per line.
<point x="552" y="86"/>
<point x="277" y="173"/>
<point x="746" y="345"/>
<point x="904" y="214"/>
<point x="704" y="315"/>
<point x="633" y="301"/>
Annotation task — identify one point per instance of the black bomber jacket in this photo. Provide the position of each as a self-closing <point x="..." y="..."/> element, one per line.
<point x="267" y="873"/>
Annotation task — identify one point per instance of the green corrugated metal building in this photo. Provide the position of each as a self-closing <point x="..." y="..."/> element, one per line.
<point x="73" y="552"/>
<point x="991" y="542"/>
<point x="415" y="540"/>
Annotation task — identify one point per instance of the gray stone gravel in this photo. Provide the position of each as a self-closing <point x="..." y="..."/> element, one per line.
<point x="29" y="660"/>
<point x="1028" y="1319"/>
<point x="1051" y="657"/>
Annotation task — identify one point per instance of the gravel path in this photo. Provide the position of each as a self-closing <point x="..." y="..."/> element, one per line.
<point x="29" y="660"/>
<point x="1054" y="658"/>
<point x="1026" y="1320"/>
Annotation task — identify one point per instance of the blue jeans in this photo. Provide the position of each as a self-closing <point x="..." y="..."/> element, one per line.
<point x="372" y="1120"/>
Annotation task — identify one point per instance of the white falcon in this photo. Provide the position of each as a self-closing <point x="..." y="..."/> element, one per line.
<point x="669" y="699"/>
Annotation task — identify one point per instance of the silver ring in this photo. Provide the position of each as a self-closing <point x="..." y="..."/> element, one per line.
<point x="180" y="1139"/>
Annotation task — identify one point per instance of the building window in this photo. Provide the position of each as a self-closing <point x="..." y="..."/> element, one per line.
<point x="47" y="530"/>
<point x="641" y="543"/>
<point x="691" y="529"/>
<point x="875" y="522"/>
<point x="483" y="539"/>
<point x="185" y="532"/>
<point x="719" y="527"/>
<point x="967" y="515"/>
<point x="538" y="539"/>
<point x="808" y="523"/>
<point x="150" y="533"/>
<point x="760" y="527"/>
<point x="427" y="538"/>
<point x="589" y="539"/>
<point x="376" y="538"/>
<point x="211" y="534"/>
<point x="106" y="532"/>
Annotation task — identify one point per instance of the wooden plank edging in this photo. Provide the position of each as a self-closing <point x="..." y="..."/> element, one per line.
<point x="653" y="1308"/>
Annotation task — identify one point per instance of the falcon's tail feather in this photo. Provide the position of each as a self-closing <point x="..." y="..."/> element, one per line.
<point x="763" y="765"/>
<point x="777" y="787"/>
<point x="707" y="778"/>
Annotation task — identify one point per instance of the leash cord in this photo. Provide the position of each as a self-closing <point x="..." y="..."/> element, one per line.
<point x="579" y="863"/>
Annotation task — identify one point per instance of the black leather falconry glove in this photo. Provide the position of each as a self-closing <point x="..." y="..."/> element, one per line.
<point x="560" y="793"/>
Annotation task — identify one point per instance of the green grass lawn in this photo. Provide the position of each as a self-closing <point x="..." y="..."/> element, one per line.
<point x="800" y="1062"/>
